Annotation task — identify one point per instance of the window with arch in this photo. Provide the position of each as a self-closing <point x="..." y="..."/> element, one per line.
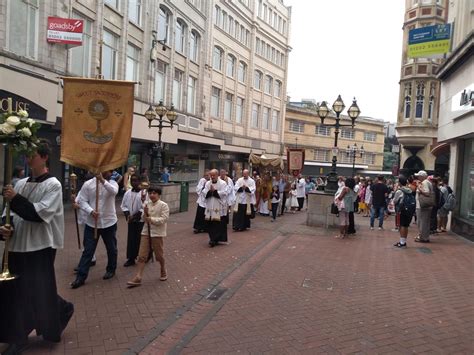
<point x="194" y="39"/>
<point x="164" y="17"/>
<point x="217" y="15"/>
<point x="420" y="98"/>
<point x="268" y="84"/>
<point x="242" y="75"/>
<point x="217" y="58"/>
<point x="180" y="36"/>
<point x="257" y="83"/>
<point x="407" y="100"/>
<point x="431" y="102"/>
<point x="277" y="88"/>
<point x="230" y="68"/>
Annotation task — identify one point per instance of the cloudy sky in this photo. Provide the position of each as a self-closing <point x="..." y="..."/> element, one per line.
<point x="347" y="47"/>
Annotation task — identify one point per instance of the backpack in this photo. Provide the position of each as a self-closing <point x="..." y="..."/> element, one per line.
<point x="408" y="204"/>
<point x="450" y="203"/>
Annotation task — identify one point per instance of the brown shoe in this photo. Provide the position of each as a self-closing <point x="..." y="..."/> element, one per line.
<point x="136" y="281"/>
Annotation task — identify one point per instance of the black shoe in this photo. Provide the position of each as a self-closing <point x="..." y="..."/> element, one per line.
<point x="129" y="263"/>
<point x="400" y="245"/>
<point x="92" y="263"/>
<point x="212" y="244"/>
<point x="77" y="283"/>
<point x="108" y="275"/>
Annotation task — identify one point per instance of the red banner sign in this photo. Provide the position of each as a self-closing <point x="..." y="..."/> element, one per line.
<point x="65" y="31"/>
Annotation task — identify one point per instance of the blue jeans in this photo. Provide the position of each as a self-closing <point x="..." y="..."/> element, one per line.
<point x="381" y="211"/>
<point x="90" y="244"/>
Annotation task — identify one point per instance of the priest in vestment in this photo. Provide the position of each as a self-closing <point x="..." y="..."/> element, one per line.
<point x="244" y="201"/>
<point x="215" y="192"/>
<point x="31" y="302"/>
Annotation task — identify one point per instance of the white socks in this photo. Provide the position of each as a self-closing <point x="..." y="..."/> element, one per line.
<point x="403" y="240"/>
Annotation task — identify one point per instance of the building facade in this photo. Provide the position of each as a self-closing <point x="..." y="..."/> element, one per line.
<point x="456" y="116"/>
<point x="303" y="129"/>
<point x="222" y="64"/>
<point x="419" y="98"/>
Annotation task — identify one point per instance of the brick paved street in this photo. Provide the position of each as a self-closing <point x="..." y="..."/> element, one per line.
<point x="282" y="287"/>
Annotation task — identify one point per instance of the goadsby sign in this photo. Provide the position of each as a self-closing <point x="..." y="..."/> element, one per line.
<point x="65" y="31"/>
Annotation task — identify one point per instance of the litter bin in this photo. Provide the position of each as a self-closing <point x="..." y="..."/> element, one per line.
<point x="184" y="199"/>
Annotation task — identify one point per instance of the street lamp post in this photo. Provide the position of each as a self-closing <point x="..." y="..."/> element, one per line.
<point x="353" y="152"/>
<point x="151" y="115"/>
<point x="322" y="111"/>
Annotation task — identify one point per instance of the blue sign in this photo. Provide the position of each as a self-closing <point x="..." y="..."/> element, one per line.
<point x="429" y="33"/>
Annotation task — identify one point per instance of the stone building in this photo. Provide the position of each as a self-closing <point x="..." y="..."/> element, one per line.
<point x="303" y="129"/>
<point x="418" y="108"/>
<point x="222" y="64"/>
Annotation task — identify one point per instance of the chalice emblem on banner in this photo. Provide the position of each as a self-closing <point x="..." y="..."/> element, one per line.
<point x="99" y="111"/>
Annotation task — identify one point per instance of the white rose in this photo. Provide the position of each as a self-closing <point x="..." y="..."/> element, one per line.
<point x="13" y="120"/>
<point x="30" y="121"/>
<point x="22" y="113"/>
<point x="6" y="128"/>
<point x="25" y="132"/>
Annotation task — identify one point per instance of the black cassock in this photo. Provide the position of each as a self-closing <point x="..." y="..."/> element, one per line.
<point x="200" y="224"/>
<point x="241" y="220"/>
<point x="217" y="229"/>
<point x="31" y="301"/>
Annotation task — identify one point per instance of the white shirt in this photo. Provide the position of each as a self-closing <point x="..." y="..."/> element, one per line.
<point x="230" y="190"/>
<point x="47" y="199"/>
<point x="159" y="213"/>
<point x="86" y="200"/>
<point x="201" y="200"/>
<point x="300" y="188"/>
<point x="242" y="197"/>
<point x="132" y="202"/>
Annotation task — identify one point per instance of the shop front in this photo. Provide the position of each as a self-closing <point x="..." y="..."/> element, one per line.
<point x="233" y="162"/>
<point x="463" y="216"/>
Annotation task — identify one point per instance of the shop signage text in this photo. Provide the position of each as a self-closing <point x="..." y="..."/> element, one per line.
<point x="20" y="103"/>
<point x="65" y="31"/>
<point x="467" y="96"/>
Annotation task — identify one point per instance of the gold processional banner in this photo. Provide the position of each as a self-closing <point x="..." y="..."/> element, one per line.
<point x="96" y="123"/>
<point x="295" y="161"/>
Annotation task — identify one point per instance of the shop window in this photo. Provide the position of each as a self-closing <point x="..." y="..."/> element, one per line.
<point x="466" y="195"/>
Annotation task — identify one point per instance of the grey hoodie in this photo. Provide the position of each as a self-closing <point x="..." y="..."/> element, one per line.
<point x="398" y="197"/>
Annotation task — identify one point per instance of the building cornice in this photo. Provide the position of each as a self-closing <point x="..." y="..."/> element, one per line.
<point x="461" y="54"/>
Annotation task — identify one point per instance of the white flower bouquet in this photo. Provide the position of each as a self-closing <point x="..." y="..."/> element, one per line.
<point x="19" y="131"/>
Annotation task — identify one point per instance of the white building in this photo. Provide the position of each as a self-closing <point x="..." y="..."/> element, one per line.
<point x="456" y="114"/>
<point x="222" y="64"/>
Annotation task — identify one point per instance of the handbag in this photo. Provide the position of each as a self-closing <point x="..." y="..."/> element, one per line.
<point x="426" y="201"/>
<point x="334" y="209"/>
